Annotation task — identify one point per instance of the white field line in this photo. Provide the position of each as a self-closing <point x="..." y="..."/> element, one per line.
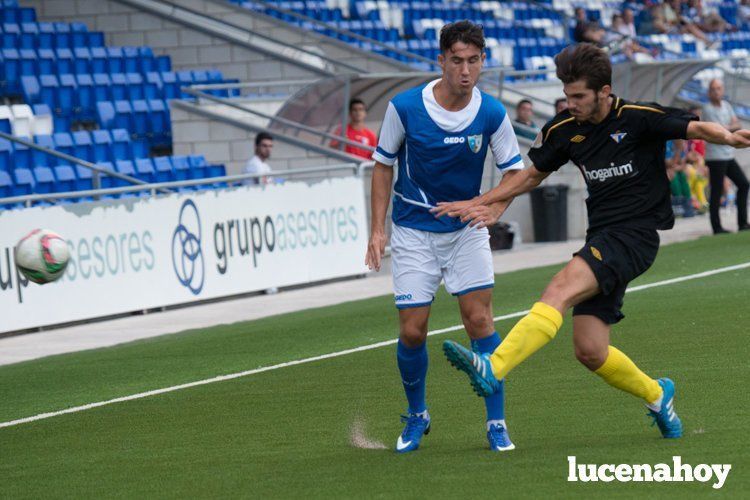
<point x="368" y="347"/>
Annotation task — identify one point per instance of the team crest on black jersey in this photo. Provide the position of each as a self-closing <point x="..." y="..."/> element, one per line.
<point x="618" y="136"/>
<point x="475" y="143"/>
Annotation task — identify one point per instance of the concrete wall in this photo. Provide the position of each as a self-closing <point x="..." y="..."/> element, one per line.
<point x="193" y="49"/>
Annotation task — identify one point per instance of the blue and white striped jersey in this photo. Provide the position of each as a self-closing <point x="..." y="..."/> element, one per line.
<point x="441" y="153"/>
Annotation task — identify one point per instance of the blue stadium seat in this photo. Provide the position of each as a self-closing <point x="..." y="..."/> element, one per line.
<point x="29" y="35"/>
<point x="161" y="125"/>
<point x="163" y="63"/>
<point x="144" y="169"/>
<point x="11" y="69"/>
<point x="120" y="145"/>
<point x="181" y="168"/>
<point x="64" y="58"/>
<point x="105" y="112"/>
<point x="46" y="32"/>
<point x="5" y="126"/>
<point x="123" y="115"/>
<point x="82" y="145"/>
<point x="115" y="60"/>
<point x="63" y="143"/>
<point x="49" y="90"/>
<point x="44" y="180"/>
<point x="84" y="178"/>
<point x="102" y="85"/>
<point x="170" y="85"/>
<point x="28" y="61"/>
<point x="98" y="60"/>
<point x="6" y="150"/>
<point x="40" y="158"/>
<point x="141" y="119"/>
<point x="134" y="86"/>
<point x="95" y="39"/>
<point x="6" y="185"/>
<point x="85" y="98"/>
<point x="130" y="56"/>
<point x="163" y="168"/>
<point x="216" y="171"/>
<point x="198" y="167"/>
<point x="119" y="86"/>
<point x="46" y="62"/>
<point x="107" y="181"/>
<point x="66" y="95"/>
<point x="124" y="167"/>
<point x="66" y="178"/>
<point x="23" y="182"/>
<point x="21" y="157"/>
<point x="102" y="143"/>
<point x="30" y="88"/>
<point x="82" y="60"/>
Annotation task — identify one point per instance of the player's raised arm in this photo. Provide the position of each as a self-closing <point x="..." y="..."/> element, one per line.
<point x="512" y="185"/>
<point x="718" y="134"/>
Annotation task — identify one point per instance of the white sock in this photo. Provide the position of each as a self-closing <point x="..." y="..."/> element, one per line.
<point x="501" y="423"/>
<point x="656" y="405"/>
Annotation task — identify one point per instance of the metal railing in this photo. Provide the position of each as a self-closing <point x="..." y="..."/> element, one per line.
<point x="169" y="187"/>
<point x="96" y="169"/>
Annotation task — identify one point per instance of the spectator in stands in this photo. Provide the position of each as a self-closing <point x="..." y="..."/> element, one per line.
<point x="708" y="20"/>
<point x="582" y="22"/>
<point x="257" y="164"/>
<point x="668" y="18"/>
<point x="628" y="23"/>
<point x="561" y="104"/>
<point x="743" y="11"/>
<point x="720" y="160"/>
<point x="676" y="165"/>
<point x="356" y="131"/>
<point x="618" y="40"/>
<point x="524" y="117"/>
<point x="587" y="30"/>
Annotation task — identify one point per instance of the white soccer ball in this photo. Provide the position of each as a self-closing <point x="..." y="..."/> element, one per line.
<point x="42" y="256"/>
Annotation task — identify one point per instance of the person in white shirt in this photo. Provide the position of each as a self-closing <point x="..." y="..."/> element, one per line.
<point x="257" y="164"/>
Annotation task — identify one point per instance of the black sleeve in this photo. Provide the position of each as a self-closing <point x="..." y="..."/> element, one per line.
<point x="665" y="123"/>
<point x="546" y="153"/>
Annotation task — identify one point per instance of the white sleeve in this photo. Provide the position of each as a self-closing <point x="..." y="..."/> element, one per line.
<point x="505" y="147"/>
<point x="251" y="167"/>
<point x="392" y="135"/>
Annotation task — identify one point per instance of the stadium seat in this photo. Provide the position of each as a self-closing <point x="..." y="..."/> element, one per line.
<point x="163" y="169"/>
<point x="46" y="62"/>
<point x="198" y="167"/>
<point x="141" y="116"/>
<point x="102" y="144"/>
<point x="6" y="151"/>
<point x="21" y="157"/>
<point x="82" y="145"/>
<point x="42" y="159"/>
<point x="107" y="181"/>
<point x="82" y="60"/>
<point x="22" y="120"/>
<point x="123" y="115"/>
<point x="84" y="178"/>
<point x="63" y="142"/>
<point x="98" y="60"/>
<point x="66" y="178"/>
<point x="6" y="185"/>
<point x="105" y="112"/>
<point x="115" y="60"/>
<point x="124" y="167"/>
<point x="44" y="180"/>
<point x="181" y="168"/>
<point x="119" y="88"/>
<point x="144" y="169"/>
<point x="5" y="126"/>
<point x="43" y="123"/>
<point x="64" y="58"/>
<point x="102" y="85"/>
<point x="23" y="182"/>
<point x="121" y="145"/>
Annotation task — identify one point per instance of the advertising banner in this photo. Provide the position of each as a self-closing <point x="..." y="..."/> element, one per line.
<point x="137" y="254"/>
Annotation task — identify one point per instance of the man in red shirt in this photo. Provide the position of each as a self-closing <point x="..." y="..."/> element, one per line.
<point x="356" y="131"/>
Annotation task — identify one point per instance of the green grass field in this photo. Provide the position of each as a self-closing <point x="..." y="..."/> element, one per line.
<point x="285" y="433"/>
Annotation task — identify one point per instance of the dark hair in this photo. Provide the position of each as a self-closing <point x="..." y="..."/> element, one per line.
<point x="262" y="136"/>
<point x="522" y="102"/>
<point x="584" y="61"/>
<point x="559" y="100"/>
<point x="354" y="101"/>
<point x="461" y="31"/>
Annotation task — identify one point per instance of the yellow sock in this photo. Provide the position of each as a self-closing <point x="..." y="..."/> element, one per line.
<point x="528" y="336"/>
<point x="620" y="371"/>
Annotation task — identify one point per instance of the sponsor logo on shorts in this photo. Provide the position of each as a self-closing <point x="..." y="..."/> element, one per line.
<point x="405" y="296"/>
<point x="596" y="253"/>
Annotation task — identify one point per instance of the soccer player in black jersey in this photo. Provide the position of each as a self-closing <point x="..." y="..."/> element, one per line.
<point x="619" y="148"/>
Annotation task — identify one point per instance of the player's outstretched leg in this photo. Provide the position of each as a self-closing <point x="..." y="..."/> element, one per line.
<point x="619" y="371"/>
<point x="476" y="366"/>
<point x="497" y="430"/>
<point x="412" y="363"/>
<point x="664" y="414"/>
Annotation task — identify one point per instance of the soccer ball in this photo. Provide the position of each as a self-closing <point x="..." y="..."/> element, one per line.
<point x="42" y="256"/>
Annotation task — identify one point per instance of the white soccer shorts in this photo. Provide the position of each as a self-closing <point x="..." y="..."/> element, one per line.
<point x="420" y="259"/>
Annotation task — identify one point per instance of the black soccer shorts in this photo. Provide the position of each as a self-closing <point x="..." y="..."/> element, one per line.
<point x="616" y="255"/>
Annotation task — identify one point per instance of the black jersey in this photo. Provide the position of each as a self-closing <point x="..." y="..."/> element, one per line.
<point x="621" y="159"/>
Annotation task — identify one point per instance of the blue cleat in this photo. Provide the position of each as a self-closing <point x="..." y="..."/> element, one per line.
<point x="666" y="419"/>
<point x="416" y="427"/>
<point x="476" y="366"/>
<point x="498" y="437"/>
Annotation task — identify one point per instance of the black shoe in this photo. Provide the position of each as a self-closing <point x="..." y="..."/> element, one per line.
<point x="744" y="227"/>
<point x="720" y="231"/>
